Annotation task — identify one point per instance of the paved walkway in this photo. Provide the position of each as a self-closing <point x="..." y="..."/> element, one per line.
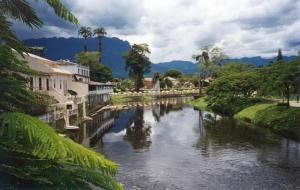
<point x="295" y="104"/>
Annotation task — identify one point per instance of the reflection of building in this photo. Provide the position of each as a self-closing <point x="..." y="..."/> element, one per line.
<point x="99" y="94"/>
<point x="94" y="129"/>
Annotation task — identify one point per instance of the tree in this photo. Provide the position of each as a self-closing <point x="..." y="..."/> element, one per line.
<point x="137" y="63"/>
<point x="279" y="55"/>
<point x="209" y="59"/>
<point x="173" y="73"/>
<point x="98" y="72"/>
<point x="100" y="32"/>
<point x="169" y="83"/>
<point x="15" y="95"/>
<point x="230" y="68"/>
<point x="156" y="77"/>
<point x="284" y="77"/>
<point x="230" y="93"/>
<point x="85" y="32"/>
<point x="21" y="10"/>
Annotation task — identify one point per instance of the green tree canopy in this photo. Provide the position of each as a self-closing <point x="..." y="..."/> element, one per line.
<point x="230" y="93"/>
<point x="137" y="63"/>
<point x="230" y="68"/>
<point x="282" y="78"/>
<point x="98" y="72"/>
<point x="173" y="73"/>
<point x="15" y="96"/>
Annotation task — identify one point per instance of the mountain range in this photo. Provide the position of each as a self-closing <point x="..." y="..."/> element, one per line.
<point x="114" y="48"/>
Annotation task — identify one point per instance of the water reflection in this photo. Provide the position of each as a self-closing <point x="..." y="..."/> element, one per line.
<point x="137" y="132"/>
<point x="173" y="146"/>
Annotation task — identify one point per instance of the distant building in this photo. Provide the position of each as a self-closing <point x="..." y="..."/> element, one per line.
<point x="148" y="84"/>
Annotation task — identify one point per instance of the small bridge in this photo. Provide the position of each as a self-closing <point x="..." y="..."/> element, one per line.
<point x="162" y="94"/>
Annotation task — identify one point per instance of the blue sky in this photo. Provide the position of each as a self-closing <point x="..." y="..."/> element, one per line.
<point x="176" y="29"/>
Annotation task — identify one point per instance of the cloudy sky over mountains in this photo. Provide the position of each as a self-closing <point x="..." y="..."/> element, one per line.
<point x="175" y="29"/>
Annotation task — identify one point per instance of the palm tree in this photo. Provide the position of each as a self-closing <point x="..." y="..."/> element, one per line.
<point x="85" y="32"/>
<point x="21" y="10"/>
<point x="100" y="32"/>
<point x="203" y="60"/>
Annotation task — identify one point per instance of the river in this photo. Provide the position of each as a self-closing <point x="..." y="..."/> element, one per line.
<point x="174" y="146"/>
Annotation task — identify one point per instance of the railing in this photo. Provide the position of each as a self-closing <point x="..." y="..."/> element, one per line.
<point x="56" y="115"/>
<point x="102" y="91"/>
<point x="161" y="93"/>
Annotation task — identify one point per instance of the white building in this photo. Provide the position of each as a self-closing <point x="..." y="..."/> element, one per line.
<point x="68" y="83"/>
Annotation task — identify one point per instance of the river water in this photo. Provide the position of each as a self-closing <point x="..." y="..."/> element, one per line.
<point x="174" y="146"/>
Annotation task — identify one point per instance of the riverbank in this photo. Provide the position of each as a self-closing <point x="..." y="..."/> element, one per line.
<point x="269" y="115"/>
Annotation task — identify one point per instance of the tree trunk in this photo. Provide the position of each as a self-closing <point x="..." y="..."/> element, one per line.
<point x="85" y="45"/>
<point x="200" y="85"/>
<point x="288" y="97"/>
<point x="100" y="49"/>
<point x="136" y="84"/>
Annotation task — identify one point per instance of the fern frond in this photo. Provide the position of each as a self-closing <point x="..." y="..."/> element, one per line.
<point x="30" y="136"/>
<point x="62" y="11"/>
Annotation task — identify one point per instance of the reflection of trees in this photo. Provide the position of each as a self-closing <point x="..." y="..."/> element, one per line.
<point x="138" y="134"/>
<point x="163" y="109"/>
<point x="226" y="132"/>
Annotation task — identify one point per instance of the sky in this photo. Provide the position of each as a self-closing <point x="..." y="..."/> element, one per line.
<point x="177" y="29"/>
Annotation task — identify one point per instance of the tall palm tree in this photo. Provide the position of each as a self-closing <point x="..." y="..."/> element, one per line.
<point x="203" y="60"/>
<point x="85" y="32"/>
<point x="21" y="10"/>
<point x="100" y="33"/>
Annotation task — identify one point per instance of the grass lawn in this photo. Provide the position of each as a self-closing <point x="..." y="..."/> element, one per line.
<point x="199" y="103"/>
<point x="119" y="100"/>
<point x="249" y="112"/>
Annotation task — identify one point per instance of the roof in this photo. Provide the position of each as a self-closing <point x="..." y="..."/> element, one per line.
<point x="172" y="79"/>
<point x="43" y="65"/>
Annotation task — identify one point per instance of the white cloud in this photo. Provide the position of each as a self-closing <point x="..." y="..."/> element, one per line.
<point x="175" y="29"/>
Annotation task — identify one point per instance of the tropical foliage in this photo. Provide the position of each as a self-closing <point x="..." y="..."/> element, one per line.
<point x="173" y="73"/>
<point x="33" y="155"/>
<point x="85" y="32"/>
<point x="100" y="33"/>
<point x="209" y="60"/>
<point x="98" y="72"/>
<point x="137" y="63"/>
<point x="15" y="95"/>
<point x="21" y="10"/>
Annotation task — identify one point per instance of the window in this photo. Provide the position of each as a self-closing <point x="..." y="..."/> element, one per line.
<point x="54" y="83"/>
<point x="59" y="84"/>
<point x="40" y="83"/>
<point x="78" y="71"/>
<point x="47" y="84"/>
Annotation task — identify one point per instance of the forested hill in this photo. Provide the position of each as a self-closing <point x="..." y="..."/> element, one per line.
<point x="114" y="48"/>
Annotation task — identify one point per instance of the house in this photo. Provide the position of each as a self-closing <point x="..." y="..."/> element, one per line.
<point x="50" y="78"/>
<point x="174" y="81"/>
<point x="148" y="84"/>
